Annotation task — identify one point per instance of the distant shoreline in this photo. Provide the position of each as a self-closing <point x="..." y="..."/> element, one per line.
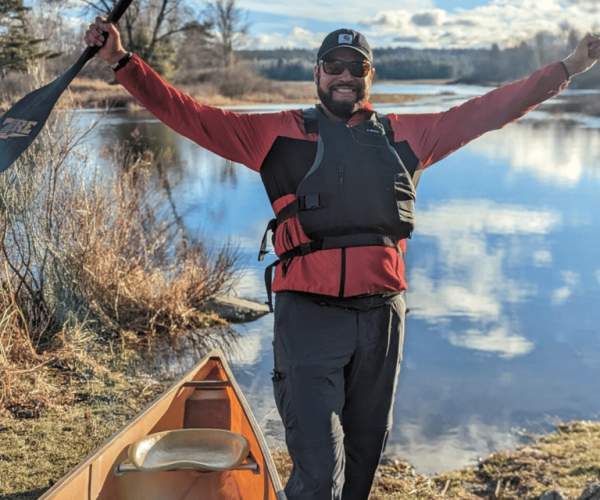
<point x="98" y="94"/>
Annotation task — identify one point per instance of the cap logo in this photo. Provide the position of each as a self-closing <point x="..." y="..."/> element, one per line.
<point x="345" y="38"/>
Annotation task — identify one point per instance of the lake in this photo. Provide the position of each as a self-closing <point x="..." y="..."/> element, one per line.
<point x="503" y="334"/>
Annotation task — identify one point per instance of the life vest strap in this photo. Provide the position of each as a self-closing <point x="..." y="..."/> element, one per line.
<point x="269" y="282"/>
<point x="309" y="202"/>
<point x="302" y="203"/>
<point x="353" y="240"/>
<point x="271" y="226"/>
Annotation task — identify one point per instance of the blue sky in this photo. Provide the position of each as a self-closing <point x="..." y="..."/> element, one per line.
<point x="422" y="23"/>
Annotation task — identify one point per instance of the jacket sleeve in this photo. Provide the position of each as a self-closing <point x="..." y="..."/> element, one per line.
<point x="433" y="136"/>
<point x="243" y="138"/>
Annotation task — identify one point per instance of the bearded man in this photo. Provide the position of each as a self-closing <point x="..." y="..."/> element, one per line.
<point x="341" y="179"/>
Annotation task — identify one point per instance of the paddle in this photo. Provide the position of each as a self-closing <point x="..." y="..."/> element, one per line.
<point x="21" y="124"/>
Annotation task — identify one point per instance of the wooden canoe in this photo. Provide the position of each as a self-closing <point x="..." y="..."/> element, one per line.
<point x="206" y="398"/>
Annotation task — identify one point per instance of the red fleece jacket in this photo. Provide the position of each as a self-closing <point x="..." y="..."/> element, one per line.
<point x="248" y="138"/>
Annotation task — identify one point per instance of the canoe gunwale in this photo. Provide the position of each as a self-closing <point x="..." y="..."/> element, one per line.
<point x="89" y="466"/>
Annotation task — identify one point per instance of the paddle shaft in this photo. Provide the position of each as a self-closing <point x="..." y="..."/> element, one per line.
<point x="21" y="124"/>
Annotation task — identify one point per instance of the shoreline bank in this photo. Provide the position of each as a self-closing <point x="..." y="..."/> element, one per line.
<point x="57" y="437"/>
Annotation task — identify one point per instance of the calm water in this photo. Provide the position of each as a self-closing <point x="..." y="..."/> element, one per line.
<point x="503" y="333"/>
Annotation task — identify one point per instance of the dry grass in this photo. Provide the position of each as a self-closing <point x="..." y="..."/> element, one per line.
<point x="98" y="94"/>
<point x="90" y="253"/>
<point x="151" y="280"/>
<point x="567" y="460"/>
<point x="36" y="452"/>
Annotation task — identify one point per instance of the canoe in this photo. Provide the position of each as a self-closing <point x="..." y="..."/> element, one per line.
<point x="199" y="440"/>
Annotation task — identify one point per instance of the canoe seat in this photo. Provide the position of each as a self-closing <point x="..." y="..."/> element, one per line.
<point x="201" y="449"/>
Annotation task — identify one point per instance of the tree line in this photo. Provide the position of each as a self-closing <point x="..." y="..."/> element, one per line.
<point x="195" y="45"/>
<point x="481" y="66"/>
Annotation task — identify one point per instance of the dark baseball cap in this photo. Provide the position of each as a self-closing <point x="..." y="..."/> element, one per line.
<point x="345" y="38"/>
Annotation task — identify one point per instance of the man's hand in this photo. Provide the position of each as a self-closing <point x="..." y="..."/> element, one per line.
<point x="585" y="56"/>
<point x="97" y="34"/>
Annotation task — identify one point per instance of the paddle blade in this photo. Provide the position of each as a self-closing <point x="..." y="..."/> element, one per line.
<point x="21" y="124"/>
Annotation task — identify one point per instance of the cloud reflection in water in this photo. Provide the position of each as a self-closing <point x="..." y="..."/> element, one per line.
<point x="553" y="151"/>
<point x="469" y="282"/>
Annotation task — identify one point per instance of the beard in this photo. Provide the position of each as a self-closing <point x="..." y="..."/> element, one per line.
<point x="343" y="109"/>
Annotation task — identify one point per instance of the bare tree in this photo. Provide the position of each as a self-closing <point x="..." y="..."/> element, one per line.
<point x="151" y="27"/>
<point x="229" y="28"/>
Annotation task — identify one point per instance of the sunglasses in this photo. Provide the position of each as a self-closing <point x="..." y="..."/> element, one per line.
<point x="358" y="69"/>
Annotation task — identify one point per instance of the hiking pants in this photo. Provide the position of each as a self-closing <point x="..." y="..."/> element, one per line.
<point x="334" y="380"/>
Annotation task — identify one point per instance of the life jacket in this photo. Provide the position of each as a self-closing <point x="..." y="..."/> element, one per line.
<point x="357" y="192"/>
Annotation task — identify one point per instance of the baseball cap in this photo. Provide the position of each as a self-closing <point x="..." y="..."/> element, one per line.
<point x="345" y="38"/>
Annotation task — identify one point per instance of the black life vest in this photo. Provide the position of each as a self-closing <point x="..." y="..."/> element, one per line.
<point x="357" y="192"/>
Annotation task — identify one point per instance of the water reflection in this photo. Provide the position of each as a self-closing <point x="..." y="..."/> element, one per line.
<point x="504" y="283"/>
<point x="560" y="153"/>
<point x="467" y="280"/>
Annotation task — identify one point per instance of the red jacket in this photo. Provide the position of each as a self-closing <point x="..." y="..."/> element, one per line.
<point x="278" y="146"/>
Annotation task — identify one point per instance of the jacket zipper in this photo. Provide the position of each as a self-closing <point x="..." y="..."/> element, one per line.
<point x="343" y="260"/>
<point x="343" y="273"/>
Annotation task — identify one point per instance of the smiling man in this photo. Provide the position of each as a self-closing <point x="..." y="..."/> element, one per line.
<point x="341" y="179"/>
<point x="344" y="74"/>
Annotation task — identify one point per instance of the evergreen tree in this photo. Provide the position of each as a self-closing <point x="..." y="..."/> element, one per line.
<point x="18" y="50"/>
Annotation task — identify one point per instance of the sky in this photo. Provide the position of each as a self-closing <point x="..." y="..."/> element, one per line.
<point x="419" y="24"/>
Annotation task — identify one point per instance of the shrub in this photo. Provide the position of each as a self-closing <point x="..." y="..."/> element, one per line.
<point x="87" y="245"/>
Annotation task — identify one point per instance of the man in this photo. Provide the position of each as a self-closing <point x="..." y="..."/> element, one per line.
<point x="341" y="180"/>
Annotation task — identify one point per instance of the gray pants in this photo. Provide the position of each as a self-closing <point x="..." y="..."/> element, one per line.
<point x="334" y="379"/>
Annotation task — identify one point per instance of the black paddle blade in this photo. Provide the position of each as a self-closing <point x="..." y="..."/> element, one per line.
<point x="21" y="124"/>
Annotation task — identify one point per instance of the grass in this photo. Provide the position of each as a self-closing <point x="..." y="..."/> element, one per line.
<point x="245" y="89"/>
<point x="567" y="460"/>
<point x="90" y="253"/>
<point x="38" y="451"/>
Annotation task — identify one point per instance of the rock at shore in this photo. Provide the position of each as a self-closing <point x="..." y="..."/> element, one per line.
<point x="236" y="310"/>
<point x="592" y="492"/>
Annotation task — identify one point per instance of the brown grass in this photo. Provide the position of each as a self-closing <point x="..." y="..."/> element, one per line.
<point x="36" y="452"/>
<point x="90" y="255"/>
<point x="253" y="90"/>
<point x="567" y="460"/>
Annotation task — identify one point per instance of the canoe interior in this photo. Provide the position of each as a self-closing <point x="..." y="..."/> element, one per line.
<point x="221" y="406"/>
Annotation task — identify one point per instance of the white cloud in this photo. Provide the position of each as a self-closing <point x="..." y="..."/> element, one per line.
<point x="506" y="22"/>
<point x="541" y="258"/>
<point x="297" y="38"/>
<point x="350" y="11"/>
<point x="498" y="340"/>
<point x="460" y="444"/>
<point x="481" y="217"/>
<point x="433" y="17"/>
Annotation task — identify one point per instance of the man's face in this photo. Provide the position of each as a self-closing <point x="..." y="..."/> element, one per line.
<point x="342" y="95"/>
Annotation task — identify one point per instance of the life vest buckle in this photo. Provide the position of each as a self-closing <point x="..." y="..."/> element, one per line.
<point x="305" y="248"/>
<point x="310" y="202"/>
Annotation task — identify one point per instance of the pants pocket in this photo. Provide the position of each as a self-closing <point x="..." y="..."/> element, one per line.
<point x="283" y="398"/>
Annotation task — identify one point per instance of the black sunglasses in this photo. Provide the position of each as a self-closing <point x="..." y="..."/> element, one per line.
<point x="358" y="69"/>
